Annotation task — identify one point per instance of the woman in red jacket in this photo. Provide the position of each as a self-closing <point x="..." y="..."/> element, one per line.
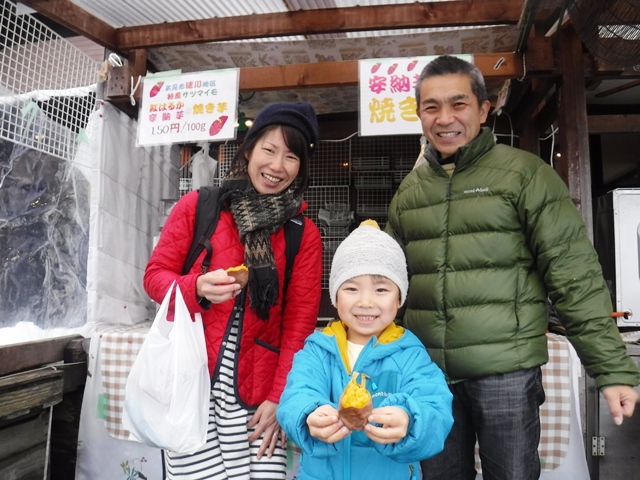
<point x="251" y="332"/>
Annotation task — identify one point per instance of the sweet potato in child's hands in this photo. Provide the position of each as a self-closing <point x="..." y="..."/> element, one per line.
<point x="355" y="404"/>
<point x="240" y="273"/>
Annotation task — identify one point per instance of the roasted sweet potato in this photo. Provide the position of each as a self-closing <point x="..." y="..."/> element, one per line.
<point x="240" y="273"/>
<point x="355" y="404"/>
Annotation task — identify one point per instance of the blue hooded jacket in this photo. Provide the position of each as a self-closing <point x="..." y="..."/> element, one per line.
<point x="400" y="374"/>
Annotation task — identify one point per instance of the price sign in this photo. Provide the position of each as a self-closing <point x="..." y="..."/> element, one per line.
<point x="192" y="107"/>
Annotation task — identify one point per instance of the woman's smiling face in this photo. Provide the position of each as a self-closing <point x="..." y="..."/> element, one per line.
<point x="272" y="165"/>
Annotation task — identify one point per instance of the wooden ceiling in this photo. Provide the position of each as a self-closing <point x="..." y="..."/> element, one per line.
<point x="533" y="61"/>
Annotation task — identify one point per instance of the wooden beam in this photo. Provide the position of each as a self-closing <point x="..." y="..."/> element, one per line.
<point x="341" y="74"/>
<point x="599" y="124"/>
<point x="322" y="21"/>
<point x="21" y="392"/>
<point x="529" y="11"/>
<point x="603" y="70"/>
<point x="618" y="89"/>
<point x="283" y="77"/>
<point x="71" y="16"/>
<point x="27" y="355"/>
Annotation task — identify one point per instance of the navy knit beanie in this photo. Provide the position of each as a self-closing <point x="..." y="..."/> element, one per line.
<point x="299" y="115"/>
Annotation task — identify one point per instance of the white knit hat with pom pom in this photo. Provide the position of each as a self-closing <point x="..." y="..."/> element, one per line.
<point x="368" y="251"/>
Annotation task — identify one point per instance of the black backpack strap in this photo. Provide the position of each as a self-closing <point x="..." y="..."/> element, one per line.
<point x="207" y="214"/>
<point x="293" y="231"/>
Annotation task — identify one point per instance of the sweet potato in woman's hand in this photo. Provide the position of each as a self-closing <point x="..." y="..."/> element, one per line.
<point x="240" y="273"/>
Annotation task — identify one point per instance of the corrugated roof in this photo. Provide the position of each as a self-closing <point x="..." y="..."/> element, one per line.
<point x="129" y="13"/>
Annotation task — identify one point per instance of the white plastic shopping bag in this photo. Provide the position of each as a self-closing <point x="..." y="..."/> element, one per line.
<point x="166" y="401"/>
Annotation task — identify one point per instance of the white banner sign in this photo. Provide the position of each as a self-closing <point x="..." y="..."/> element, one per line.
<point x="387" y="94"/>
<point x="190" y="107"/>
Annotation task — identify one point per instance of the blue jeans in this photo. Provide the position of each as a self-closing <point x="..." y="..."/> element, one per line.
<point x="503" y="411"/>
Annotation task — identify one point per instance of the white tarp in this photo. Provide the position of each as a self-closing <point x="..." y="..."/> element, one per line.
<point x="127" y="185"/>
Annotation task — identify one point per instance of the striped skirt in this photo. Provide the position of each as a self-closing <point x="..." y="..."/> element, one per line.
<point x="227" y="453"/>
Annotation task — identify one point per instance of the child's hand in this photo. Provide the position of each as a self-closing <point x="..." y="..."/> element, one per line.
<point x="394" y="421"/>
<point x="325" y="425"/>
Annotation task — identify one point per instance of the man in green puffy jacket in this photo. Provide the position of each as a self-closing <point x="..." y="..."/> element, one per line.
<point x="490" y="232"/>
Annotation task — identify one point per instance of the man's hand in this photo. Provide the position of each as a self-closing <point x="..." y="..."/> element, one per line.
<point x="622" y="400"/>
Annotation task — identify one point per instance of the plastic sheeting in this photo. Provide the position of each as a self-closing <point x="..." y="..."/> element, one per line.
<point x="44" y="228"/>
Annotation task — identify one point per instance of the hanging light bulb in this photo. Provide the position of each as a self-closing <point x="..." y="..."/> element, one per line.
<point x="242" y="119"/>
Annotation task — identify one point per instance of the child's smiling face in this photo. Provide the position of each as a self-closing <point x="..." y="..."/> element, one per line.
<point x="367" y="305"/>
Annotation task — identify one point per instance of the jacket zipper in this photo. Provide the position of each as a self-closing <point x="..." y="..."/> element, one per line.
<point x="365" y="353"/>
<point x="446" y="253"/>
<point x="347" y="444"/>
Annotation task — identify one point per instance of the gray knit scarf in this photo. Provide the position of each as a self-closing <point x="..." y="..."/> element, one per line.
<point x="257" y="217"/>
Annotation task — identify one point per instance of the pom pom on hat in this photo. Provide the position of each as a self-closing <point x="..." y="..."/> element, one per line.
<point x="368" y="251"/>
<point x="299" y="115"/>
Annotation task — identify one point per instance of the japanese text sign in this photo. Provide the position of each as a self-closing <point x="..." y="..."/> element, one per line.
<point x="189" y="107"/>
<point x="387" y="94"/>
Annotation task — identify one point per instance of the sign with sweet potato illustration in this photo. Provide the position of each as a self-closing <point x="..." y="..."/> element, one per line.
<point x="190" y="107"/>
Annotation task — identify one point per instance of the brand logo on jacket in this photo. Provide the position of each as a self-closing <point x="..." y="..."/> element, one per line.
<point x="477" y="190"/>
<point x="381" y="394"/>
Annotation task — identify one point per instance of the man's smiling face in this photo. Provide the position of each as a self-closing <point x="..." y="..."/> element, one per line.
<point x="449" y="111"/>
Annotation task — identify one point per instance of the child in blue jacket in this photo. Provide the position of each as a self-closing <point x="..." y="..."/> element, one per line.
<point x="411" y="414"/>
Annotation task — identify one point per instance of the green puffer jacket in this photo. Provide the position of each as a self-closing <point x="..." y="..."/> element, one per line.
<point x="484" y="248"/>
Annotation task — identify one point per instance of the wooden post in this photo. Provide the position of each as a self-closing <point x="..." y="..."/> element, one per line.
<point x="138" y="70"/>
<point x="529" y="138"/>
<point x="121" y="79"/>
<point x="574" y="166"/>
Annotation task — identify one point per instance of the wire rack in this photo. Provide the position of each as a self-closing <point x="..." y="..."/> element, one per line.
<point x="330" y="164"/>
<point x="47" y="85"/>
<point x="328" y="197"/>
<point x="225" y="155"/>
<point x="356" y="177"/>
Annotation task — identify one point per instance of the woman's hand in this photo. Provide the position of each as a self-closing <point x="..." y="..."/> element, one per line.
<point x="265" y="422"/>
<point x="217" y="286"/>
<point x="394" y="421"/>
<point x="324" y="424"/>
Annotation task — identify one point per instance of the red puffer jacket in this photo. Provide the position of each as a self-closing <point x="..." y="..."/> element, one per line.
<point x="266" y="346"/>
